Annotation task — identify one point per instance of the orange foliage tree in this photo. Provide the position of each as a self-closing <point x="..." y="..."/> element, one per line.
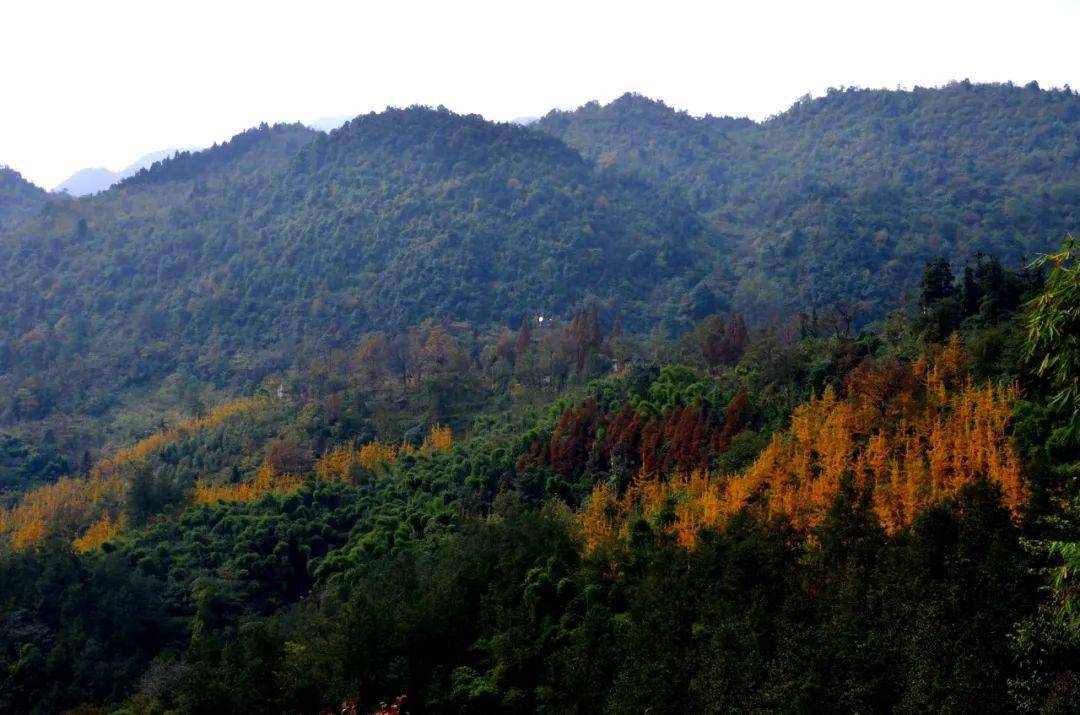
<point x="338" y="464"/>
<point x="341" y="462"/>
<point x="267" y="481"/>
<point x="439" y="439"/>
<point x="679" y="506"/>
<point x="378" y="456"/>
<point x="104" y="529"/>
<point x="65" y="506"/>
<point x="602" y="517"/>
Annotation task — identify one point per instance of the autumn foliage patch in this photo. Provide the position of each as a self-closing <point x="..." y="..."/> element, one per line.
<point x="909" y="434"/>
<point x="94" y="502"/>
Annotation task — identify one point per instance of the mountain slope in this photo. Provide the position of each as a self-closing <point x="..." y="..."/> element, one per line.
<point x="622" y="541"/>
<point x="456" y="217"/>
<point x="241" y="259"/>
<point x="19" y="199"/>
<point x="843" y="198"/>
<point x="221" y="265"/>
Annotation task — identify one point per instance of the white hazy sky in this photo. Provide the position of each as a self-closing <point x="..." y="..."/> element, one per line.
<point x="101" y="83"/>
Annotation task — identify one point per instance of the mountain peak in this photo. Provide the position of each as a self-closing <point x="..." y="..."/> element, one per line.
<point x="444" y="138"/>
<point x="641" y="101"/>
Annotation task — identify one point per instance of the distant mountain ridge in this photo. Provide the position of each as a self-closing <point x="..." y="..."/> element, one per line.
<point x="329" y="123"/>
<point x="94" y="180"/>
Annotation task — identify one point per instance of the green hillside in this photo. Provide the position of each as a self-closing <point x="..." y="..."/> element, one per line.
<point x="842" y="198"/>
<point x="19" y="199"/>
<point x="242" y="259"/>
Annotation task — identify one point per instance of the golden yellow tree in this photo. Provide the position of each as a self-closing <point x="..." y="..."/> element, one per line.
<point x="104" y="529"/>
<point x="378" y="456"/>
<point x="338" y="464"/>
<point x="266" y="481"/>
<point x="439" y="439"/>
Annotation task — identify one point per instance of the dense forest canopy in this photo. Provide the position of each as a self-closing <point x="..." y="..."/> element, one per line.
<point x="565" y="519"/>
<point x="842" y="198"/>
<point x="229" y="263"/>
<point x="625" y="410"/>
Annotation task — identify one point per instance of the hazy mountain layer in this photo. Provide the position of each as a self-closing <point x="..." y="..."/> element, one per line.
<point x="93" y="180"/>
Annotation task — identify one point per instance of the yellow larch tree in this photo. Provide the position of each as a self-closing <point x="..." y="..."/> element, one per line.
<point x="337" y="464"/>
<point x="439" y="439"/>
<point x="378" y="456"/>
<point x="266" y="481"/>
<point x="104" y="529"/>
<point x="600" y="518"/>
<point x="67" y="506"/>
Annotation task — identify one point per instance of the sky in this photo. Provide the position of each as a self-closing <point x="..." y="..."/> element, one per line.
<point x="85" y="84"/>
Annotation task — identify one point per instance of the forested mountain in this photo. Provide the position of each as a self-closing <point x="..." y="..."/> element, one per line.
<point x="234" y="261"/>
<point x="621" y="411"/>
<point x="19" y="199"/>
<point x="842" y="198"/>
<point x="219" y="266"/>
<point x="216" y="267"/>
